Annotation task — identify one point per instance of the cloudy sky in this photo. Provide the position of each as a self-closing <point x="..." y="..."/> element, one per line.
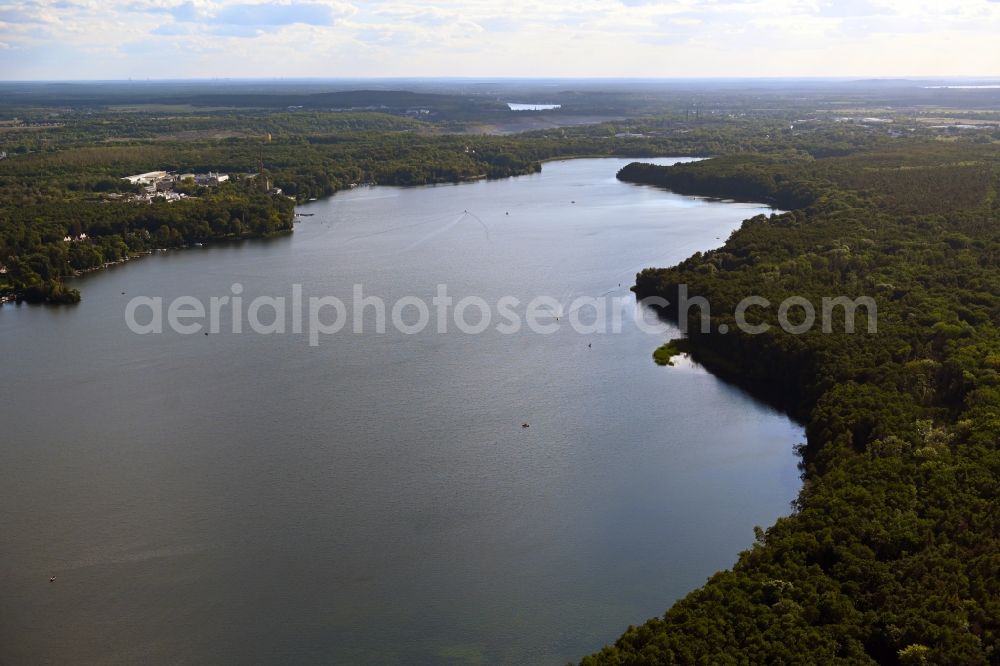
<point x="86" y="39"/>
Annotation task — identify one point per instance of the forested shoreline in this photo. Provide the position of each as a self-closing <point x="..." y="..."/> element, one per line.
<point x="892" y="551"/>
<point x="68" y="182"/>
<point x="67" y="210"/>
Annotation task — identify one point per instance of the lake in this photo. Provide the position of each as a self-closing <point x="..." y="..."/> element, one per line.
<point x="374" y="499"/>
<point x="515" y="106"/>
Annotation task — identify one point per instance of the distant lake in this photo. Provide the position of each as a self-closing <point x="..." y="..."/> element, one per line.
<point x="533" y="107"/>
<point x="236" y="499"/>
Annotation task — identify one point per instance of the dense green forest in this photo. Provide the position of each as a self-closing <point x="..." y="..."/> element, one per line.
<point x="892" y="554"/>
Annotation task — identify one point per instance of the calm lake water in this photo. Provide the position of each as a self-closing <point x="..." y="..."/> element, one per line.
<point x="514" y="106"/>
<point x="374" y="499"/>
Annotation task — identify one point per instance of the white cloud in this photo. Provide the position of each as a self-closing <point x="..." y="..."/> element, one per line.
<point x="122" y="38"/>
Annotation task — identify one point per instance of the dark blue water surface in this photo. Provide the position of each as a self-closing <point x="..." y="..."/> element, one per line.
<point x="375" y="499"/>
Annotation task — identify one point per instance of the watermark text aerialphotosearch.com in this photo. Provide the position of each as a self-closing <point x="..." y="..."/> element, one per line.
<point x="318" y="316"/>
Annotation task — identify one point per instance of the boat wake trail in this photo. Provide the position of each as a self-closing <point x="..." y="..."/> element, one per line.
<point x="448" y="227"/>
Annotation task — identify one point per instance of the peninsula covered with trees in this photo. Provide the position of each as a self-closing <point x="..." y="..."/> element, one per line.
<point x="892" y="553"/>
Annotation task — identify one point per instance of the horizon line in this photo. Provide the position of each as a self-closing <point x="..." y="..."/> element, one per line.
<point x="842" y="78"/>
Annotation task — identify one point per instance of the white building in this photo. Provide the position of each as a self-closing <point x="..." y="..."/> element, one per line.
<point x="149" y="178"/>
